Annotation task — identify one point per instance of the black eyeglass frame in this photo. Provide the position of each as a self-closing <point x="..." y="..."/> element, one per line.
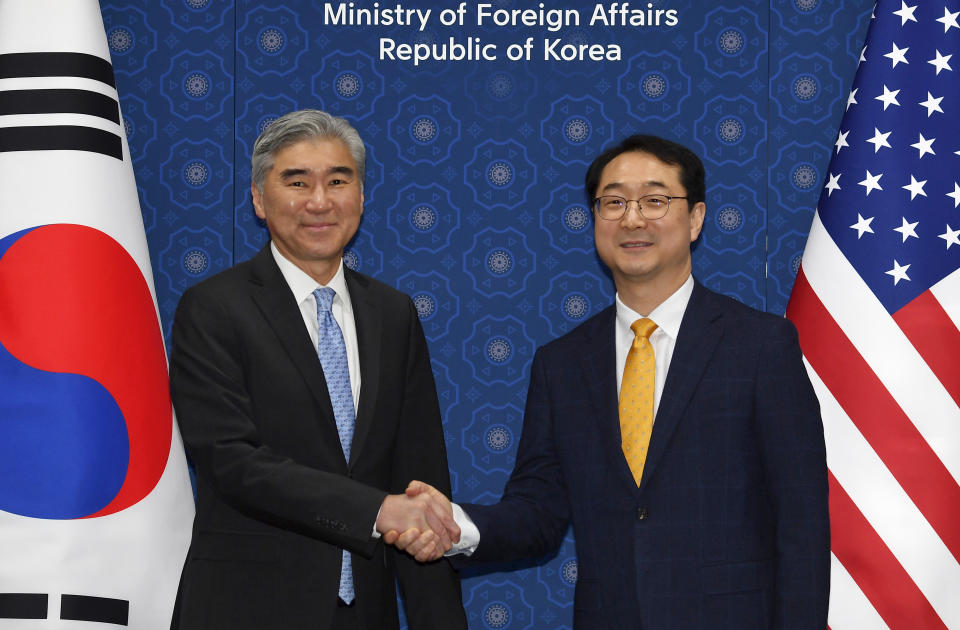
<point x="626" y="205"/>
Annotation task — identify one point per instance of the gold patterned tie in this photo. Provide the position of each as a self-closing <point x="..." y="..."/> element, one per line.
<point x="636" y="398"/>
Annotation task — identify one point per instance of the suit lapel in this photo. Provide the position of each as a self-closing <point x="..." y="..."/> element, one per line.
<point x="700" y="332"/>
<point x="271" y="294"/>
<point x="600" y="372"/>
<point x="367" y="316"/>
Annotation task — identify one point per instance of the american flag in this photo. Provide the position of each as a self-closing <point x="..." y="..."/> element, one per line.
<point x="877" y="304"/>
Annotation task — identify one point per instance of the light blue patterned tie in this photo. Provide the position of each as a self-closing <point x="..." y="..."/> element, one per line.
<point x="333" y="358"/>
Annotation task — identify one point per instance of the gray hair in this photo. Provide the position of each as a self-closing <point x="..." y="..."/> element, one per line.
<point x="302" y="125"/>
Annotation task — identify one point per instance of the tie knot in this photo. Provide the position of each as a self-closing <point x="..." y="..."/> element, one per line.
<point x="643" y="327"/>
<point x="324" y="297"/>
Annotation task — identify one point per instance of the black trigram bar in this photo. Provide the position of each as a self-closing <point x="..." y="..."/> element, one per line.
<point x="98" y="609"/>
<point x="59" y="102"/>
<point x="72" y="607"/>
<point x="62" y="138"/>
<point x="23" y="606"/>
<point x="56" y="64"/>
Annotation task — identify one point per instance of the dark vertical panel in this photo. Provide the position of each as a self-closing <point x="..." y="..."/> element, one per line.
<point x="173" y="61"/>
<point x="813" y="56"/>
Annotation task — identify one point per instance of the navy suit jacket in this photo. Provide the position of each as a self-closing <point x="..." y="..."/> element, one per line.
<point x="276" y="500"/>
<point x="729" y="527"/>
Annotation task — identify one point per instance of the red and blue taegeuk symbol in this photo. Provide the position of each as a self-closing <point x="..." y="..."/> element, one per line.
<point x="85" y="414"/>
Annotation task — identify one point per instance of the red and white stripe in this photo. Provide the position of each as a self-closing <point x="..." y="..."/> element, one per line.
<point x="889" y="390"/>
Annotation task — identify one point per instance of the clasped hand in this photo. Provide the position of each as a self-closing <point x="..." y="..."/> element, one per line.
<point x="420" y="522"/>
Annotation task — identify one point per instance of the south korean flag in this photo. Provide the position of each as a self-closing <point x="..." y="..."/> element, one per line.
<point x="95" y="499"/>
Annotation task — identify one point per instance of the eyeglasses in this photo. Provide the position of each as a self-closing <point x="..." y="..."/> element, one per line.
<point x="612" y="207"/>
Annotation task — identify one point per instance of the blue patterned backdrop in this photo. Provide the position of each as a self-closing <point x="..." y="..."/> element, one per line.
<point x="475" y="205"/>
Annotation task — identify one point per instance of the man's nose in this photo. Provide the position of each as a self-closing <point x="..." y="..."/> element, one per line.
<point x="632" y="216"/>
<point x="319" y="200"/>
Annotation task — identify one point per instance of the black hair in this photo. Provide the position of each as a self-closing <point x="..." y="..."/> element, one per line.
<point x="692" y="175"/>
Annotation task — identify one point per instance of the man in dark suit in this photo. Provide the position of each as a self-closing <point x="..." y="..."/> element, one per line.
<point x="718" y="517"/>
<point x="305" y="397"/>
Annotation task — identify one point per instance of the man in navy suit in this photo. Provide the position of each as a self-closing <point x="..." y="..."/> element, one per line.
<point x="726" y="524"/>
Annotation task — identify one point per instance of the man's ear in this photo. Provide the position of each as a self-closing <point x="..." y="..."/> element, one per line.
<point x="257" y="201"/>
<point x="697" y="214"/>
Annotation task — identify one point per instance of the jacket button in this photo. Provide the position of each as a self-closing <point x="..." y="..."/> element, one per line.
<point x="641" y="514"/>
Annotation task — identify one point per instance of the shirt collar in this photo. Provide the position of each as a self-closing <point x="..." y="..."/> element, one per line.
<point x="302" y="285"/>
<point x="667" y="316"/>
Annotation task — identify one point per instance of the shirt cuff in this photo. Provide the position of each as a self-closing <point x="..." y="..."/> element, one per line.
<point x="376" y="535"/>
<point x="469" y="533"/>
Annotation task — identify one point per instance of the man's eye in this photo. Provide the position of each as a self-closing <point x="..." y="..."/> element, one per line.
<point x="298" y="184"/>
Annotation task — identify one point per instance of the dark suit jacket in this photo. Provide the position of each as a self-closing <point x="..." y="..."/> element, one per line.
<point x="276" y="501"/>
<point x="729" y="527"/>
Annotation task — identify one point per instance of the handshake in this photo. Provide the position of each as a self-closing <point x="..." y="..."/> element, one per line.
<point x="420" y="522"/>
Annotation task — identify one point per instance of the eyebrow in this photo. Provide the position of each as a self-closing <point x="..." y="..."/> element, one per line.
<point x="618" y="185"/>
<point x="289" y="173"/>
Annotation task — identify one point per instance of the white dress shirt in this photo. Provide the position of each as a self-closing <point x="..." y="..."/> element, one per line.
<point x="303" y="286"/>
<point x="667" y="316"/>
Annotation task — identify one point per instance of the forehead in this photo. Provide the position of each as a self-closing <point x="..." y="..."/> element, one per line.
<point x="314" y="154"/>
<point x="635" y="168"/>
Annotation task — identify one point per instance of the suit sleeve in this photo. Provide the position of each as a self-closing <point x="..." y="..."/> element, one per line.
<point x="431" y="591"/>
<point x="794" y="458"/>
<point x="532" y="517"/>
<point x="216" y="419"/>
